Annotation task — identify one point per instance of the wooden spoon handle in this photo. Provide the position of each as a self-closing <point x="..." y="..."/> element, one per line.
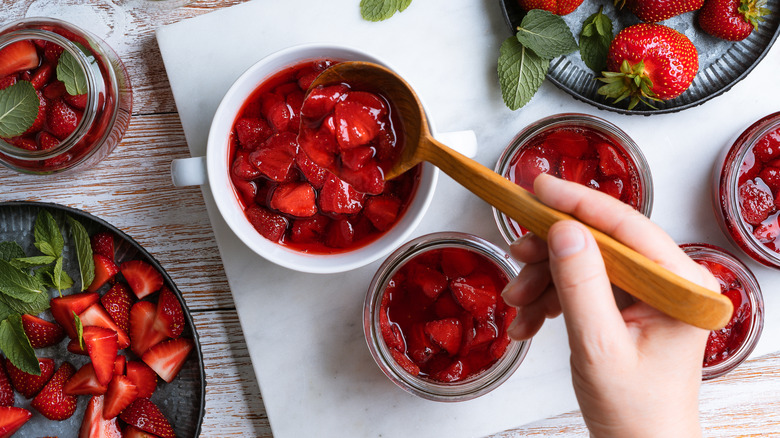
<point x="627" y="269"/>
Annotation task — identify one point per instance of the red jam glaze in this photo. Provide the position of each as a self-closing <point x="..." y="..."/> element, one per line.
<point x="442" y="316"/>
<point x="759" y="189"/>
<point x="580" y="154"/>
<point x="723" y="343"/>
<point x="351" y="133"/>
<point x="59" y="113"/>
<point x="286" y="196"/>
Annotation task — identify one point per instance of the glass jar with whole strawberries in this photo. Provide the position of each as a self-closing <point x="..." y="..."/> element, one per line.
<point x="434" y="319"/>
<point x="746" y="192"/>
<point x="69" y="94"/>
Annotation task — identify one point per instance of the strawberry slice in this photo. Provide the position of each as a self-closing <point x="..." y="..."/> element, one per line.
<point x="121" y="392"/>
<point x="94" y="425"/>
<point x="42" y="75"/>
<point x="61" y="119"/>
<point x="63" y="308"/>
<point x="96" y="316"/>
<point x="11" y="419"/>
<point x="143" y="377"/>
<point x="120" y="365"/>
<point x="142" y="277"/>
<point x="42" y="333"/>
<point x="103" y="243"/>
<point x="295" y="198"/>
<point x="382" y="211"/>
<point x="76" y="348"/>
<point x="142" y="333"/>
<point x="117" y="302"/>
<point x="169" y="318"/>
<point x="475" y="295"/>
<point x="145" y="415"/>
<point x="17" y="57"/>
<point x="168" y="357"/>
<point x="29" y="384"/>
<point x="52" y="51"/>
<point x="47" y="141"/>
<point x="505" y="318"/>
<point x="242" y="169"/>
<point x="477" y="334"/>
<point x="54" y="90"/>
<point x="276" y="156"/>
<point x="105" y="270"/>
<point x="85" y="382"/>
<point x="356" y="124"/>
<point x="101" y="344"/>
<point x="446" y="333"/>
<point x="457" y="262"/>
<point x="134" y="432"/>
<point x="78" y="101"/>
<point x="338" y="197"/>
<point x="269" y="224"/>
<point x="6" y="390"/>
<point x="405" y="363"/>
<point x="40" y="120"/>
<point x="52" y="402"/>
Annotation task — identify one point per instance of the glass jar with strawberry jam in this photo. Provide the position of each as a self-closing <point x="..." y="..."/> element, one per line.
<point x="71" y="93"/>
<point x="746" y="192"/>
<point x="434" y="319"/>
<point x="580" y="148"/>
<point x="731" y="345"/>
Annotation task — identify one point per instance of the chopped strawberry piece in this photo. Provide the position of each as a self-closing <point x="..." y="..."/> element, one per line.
<point x="78" y="101"/>
<point x="430" y="281"/>
<point x="499" y="346"/>
<point x="756" y="202"/>
<point x="117" y="303"/>
<point x="47" y="141"/>
<point x="322" y="100"/>
<point x="96" y="316"/>
<point x="52" y="51"/>
<point x="252" y="132"/>
<point x="532" y="163"/>
<point x="279" y="115"/>
<point x="85" y="382"/>
<point x="143" y="377"/>
<point x="105" y="270"/>
<point x="11" y="419"/>
<point x="269" y="224"/>
<point x="120" y="365"/>
<point x="370" y="179"/>
<point x="29" y="384"/>
<point x="405" y="363"/>
<point x="356" y="124"/>
<point x="102" y="347"/>
<point x="145" y="415"/>
<point x="339" y="197"/>
<point x="54" y="90"/>
<point x="611" y="163"/>
<point x="306" y="78"/>
<point x="372" y="101"/>
<point x="578" y="170"/>
<point x="242" y="168"/>
<point x="419" y="346"/>
<point x="142" y="277"/>
<point x="169" y="318"/>
<point x="94" y="425"/>
<point x="477" y="334"/>
<point x="340" y="234"/>
<point x="319" y="145"/>
<point x="454" y="372"/>
<point x="456" y="262"/>
<point x="475" y="296"/>
<point x="295" y="198"/>
<point x="771" y="176"/>
<point x="76" y="348"/>
<point x="382" y="211"/>
<point x="61" y="119"/>
<point x="767" y="232"/>
<point x="17" y="57"/>
<point x="356" y="158"/>
<point x="766" y="149"/>
<point x="446" y="333"/>
<point x="276" y="156"/>
<point x="121" y="392"/>
<point x="23" y="143"/>
<point x="309" y="230"/>
<point x="168" y="357"/>
<point x="142" y="333"/>
<point x="570" y="143"/>
<point x="294" y="103"/>
<point x="64" y="308"/>
<point x="52" y="402"/>
<point x="311" y="171"/>
<point x="7" y="82"/>
<point x="103" y="243"/>
<point x="42" y="333"/>
<point x="446" y="307"/>
<point x="613" y="187"/>
<point x="6" y="390"/>
<point x="40" y="119"/>
<point x="42" y="75"/>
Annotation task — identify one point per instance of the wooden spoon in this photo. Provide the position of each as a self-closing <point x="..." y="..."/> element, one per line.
<point x="627" y="269"/>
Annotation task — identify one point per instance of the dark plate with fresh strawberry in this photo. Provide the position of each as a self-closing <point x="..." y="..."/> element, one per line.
<point x="117" y="349"/>
<point x="721" y="63"/>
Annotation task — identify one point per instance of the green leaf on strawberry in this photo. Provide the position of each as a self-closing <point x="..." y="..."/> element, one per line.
<point x="16" y="346"/>
<point x="546" y="34"/>
<point x="595" y="38"/>
<point x="71" y="74"/>
<point x="520" y="73"/>
<point x="18" y="109"/>
<point x="378" y="10"/>
<point x="83" y="252"/>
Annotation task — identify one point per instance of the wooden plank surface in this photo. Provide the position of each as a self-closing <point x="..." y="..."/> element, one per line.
<point x="132" y="190"/>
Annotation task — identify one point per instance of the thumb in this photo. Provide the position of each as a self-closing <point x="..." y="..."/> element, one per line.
<point x="584" y="290"/>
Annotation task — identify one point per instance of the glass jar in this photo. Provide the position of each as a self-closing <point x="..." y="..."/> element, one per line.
<point x="102" y="113"/>
<point x="479" y="380"/>
<point x="731" y="345"/>
<point x="746" y="194"/>
<point x="581" y="148"/>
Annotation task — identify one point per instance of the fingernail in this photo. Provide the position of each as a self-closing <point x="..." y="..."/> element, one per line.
<point x="566" y="240"/>
<point x="508" y="286"/>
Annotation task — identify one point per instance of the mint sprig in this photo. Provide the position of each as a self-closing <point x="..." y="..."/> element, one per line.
<point x="48" y="238"/>
<point x="378" y="10"/>
<point x="71" y="74"/>
<point x="525" y="58"/>
<point x="19" y="105"/>
<point x="16" y="346"/>
<point x="595" y="39"/>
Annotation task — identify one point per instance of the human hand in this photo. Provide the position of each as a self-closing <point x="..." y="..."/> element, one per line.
<point x="636" y="371"/>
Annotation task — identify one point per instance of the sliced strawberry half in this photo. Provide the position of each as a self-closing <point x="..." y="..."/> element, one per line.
<point x="120" y="365"/>
<point x="338" y="197"/>
<point x="142" y="277"/>
<point x="52" y="402"/>
<point x="356" y="124"/>
<point x="6" y="390"/>
<point x="11" y="419"/>
<point x="276" y="156"/>
<point x="76" y="348"/>
<point x="169" y="318"/>
<point x="475" y="296"/>
<point x="102" y="347"/>
<point x="143" y="377"/>
<point x="295" y="198"/>
<point x="63" y="309"/>
<point x="105" y="270"/>
<point x="446" y="333"/>
<point x="142" y="333"/>
<point x="168" y="357"/>
<point x="145" y="415"/>
<point x="121" y="392"/>
<point x="85" y="382"/>
<point x="29" y="384"/>
<point x="18" y="56"/>
<point x="134" y="432"/>
<point x="117" y="302"/>
<point x="103" y="243"/>
<point x="42" y="333"/>
<point x="94" y="425"/>
<point x="95" y="315"/>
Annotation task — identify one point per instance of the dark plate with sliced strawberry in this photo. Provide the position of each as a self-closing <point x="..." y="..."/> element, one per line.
<point x="721" y="63"/>
<point x="117" y="348"/>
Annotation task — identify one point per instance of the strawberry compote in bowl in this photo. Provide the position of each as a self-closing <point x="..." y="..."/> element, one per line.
<point x="746" y="192"/>
<point x="731" y="345"/>
<point x="580" y="148"/>
<point x="70" y="93"/>
<point x="434" y="319"/>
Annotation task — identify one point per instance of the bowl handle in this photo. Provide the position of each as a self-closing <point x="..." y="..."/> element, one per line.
<point x="188" y="171"/>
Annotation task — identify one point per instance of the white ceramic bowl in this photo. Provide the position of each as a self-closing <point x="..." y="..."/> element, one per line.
<point x="186" y="172"/>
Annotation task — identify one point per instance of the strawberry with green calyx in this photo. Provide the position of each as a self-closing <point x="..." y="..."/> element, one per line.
<point x="653" y="11"/>
<point x="557" y="7"/>
<point x="732" y="20"/>
<point x="649" y="62"/>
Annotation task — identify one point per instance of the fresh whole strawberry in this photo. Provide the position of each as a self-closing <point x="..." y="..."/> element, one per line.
<point x="146" y="416"/>
<point x="732" y="20"/>
<point x="40" y="332"/>
<point x="653" y="11"/>
<point x="61" y="119"/>
<point x="558" y="7"/>
<point x="649" y="62"/>
<point x="52" y="402"/>
<point x="28" y="384"/>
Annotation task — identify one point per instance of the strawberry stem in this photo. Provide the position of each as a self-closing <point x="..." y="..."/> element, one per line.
<point x="631" y="81"/>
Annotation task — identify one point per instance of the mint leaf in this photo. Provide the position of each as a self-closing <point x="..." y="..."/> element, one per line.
<point x="5" y="310"/>
<point x="79" y="330"/>
<point x="18" y="109"/>
<point x="69" y="71"/>
<point x="56" y="275"/>
<point x="40" y="304"/>
<point x="30" y="262"/>
<point x="17" y="284"/>
<point x="378" y="10"/>
<point x="48" y="238"/>
<point x="546" y="34"/>
<point x="16" y="346"/>
<point x="520" y="73"/>
<point x="83" y="252"/>
<point x="11" y="250"/>
<point x="595" y="39"/>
